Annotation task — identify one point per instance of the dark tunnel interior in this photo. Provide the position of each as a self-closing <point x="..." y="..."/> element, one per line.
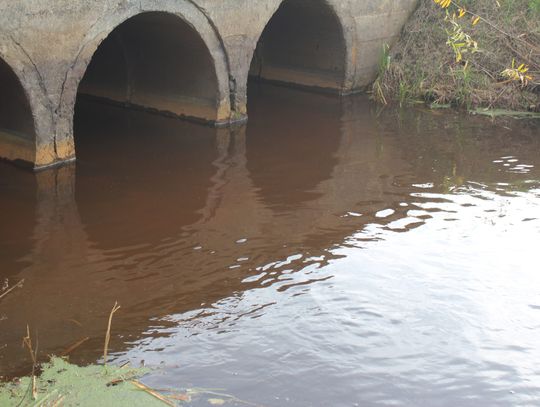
<point x="158" y="62"/>
<point x="303" y="44"/>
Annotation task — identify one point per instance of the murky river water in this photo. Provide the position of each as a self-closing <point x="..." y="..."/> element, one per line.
<point x="329" y="254"/>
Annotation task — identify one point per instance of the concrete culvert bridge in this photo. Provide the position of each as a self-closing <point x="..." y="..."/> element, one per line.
<point x="17" y="133"/>
<point x="155" y="61"/>
<point x="186" y="58"/>
<point x="303" y="44"/>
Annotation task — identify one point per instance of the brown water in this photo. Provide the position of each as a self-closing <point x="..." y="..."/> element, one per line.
<point x="329" y="254"/>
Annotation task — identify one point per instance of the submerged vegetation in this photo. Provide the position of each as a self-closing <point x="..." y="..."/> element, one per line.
<point x="482" y="54"/>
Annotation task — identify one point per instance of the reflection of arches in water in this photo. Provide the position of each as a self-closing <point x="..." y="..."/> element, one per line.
<point x="153" y="282"/>
<point x="291" y="143"/>
<point x="303" y="44"/>
<point x="140" y="177"/>
<point x="17" y="130"/>
<point x="18" y="196"/>
<point x="158" y="61"/>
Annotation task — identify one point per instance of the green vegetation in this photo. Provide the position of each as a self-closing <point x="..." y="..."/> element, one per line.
<point x="62" y="383"/>
<point x="508" y="113"/>
<point x="481" y="54"/>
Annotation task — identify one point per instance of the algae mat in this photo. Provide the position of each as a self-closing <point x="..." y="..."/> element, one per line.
<point x="62" y="383"/>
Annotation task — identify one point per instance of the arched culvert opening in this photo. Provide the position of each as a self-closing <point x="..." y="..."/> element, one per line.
<point x="17" y="131"/>
<point x="303" y="45"/>
<point x="155" y="61"/>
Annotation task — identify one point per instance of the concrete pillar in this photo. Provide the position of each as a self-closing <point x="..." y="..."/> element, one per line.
<point x="26" y="120"/>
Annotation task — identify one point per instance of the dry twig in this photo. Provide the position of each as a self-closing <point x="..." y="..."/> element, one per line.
<point x="19" y="284"/>
<point x="115" y="308"/>
<point x="74" y="346"/>
<point x="27" y="342"/>
<point x="152" y="392"/>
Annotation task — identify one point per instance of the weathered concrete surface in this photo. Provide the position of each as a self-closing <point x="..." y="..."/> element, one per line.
<point x="189" y="58"/>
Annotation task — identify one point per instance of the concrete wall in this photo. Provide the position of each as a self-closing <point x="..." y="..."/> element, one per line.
<point x="189" y="58"/>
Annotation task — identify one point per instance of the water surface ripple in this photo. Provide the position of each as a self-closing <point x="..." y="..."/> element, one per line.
<point x="328" y="254"/>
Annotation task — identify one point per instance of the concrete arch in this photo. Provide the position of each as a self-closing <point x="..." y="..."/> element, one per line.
<point x="188" y="15"/>
<point x="307" y="43"/>
<point x="26" y="120"/>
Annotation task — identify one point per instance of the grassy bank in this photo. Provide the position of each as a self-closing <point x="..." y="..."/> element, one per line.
<point x="472" y="54"/>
